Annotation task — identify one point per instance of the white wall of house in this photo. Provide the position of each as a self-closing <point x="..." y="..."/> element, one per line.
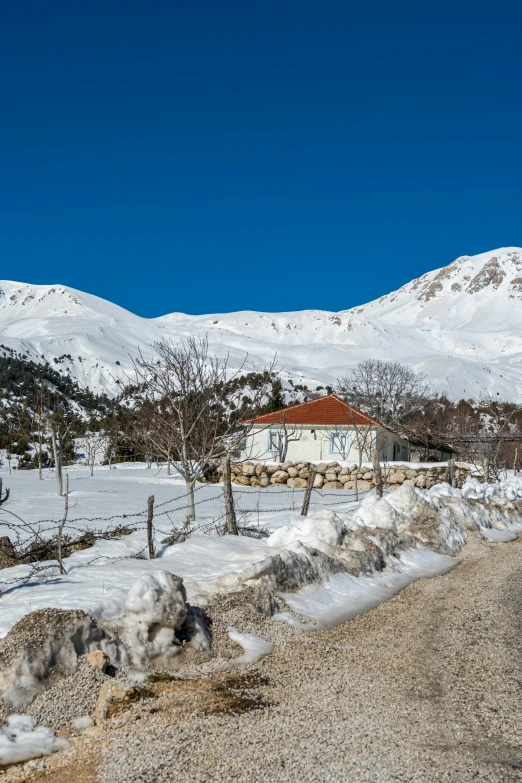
<point x="321" y="443"/>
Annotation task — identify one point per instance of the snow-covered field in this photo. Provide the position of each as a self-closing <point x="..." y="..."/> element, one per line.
<point x="98" y="579"/>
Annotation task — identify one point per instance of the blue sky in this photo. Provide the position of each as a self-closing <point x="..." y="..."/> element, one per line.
<point x="213" y="156"/>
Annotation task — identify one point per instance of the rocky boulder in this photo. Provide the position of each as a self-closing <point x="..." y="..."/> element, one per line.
<point x="279" y="477"/>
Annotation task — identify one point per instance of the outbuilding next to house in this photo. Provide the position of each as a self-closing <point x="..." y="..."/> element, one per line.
<point x="326" y="428"/>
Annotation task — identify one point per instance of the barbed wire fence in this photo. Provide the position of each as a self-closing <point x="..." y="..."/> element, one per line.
<point x="42" y="546"/>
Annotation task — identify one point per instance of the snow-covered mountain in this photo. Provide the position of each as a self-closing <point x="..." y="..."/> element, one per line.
<point x="461" y="325"/>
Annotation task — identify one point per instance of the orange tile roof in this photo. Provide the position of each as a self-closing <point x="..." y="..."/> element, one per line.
<point x="329" y="410"/>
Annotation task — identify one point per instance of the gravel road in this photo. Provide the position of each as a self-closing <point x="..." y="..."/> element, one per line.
<point x="427" y="687"/>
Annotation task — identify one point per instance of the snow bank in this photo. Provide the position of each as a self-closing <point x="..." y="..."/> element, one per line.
<point x="429" y="526"/>
<point x="323" y="525"/>
<point x="345" y="596"/>
<point x="440" y="517"/>
<point x="499" y="536"/>
<point x="22" y="740"/>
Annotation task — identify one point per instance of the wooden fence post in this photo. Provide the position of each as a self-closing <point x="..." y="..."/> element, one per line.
<point x="450" y="471"/>
<point x="514" y="463"/>
<point x="308" y="491"/>
<point x="150" y="535"/>
<point x="377" y="473"/>
<point x="230" y="520"/>
<point x="62" y="523"/>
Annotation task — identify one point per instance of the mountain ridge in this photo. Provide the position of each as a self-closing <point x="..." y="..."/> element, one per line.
<point x="459" y="324"/>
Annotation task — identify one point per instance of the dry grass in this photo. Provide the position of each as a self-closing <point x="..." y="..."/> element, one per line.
<point x="224" y="693"/>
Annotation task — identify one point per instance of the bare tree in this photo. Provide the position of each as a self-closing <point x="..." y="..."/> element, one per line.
<point x="497" y="419"/>
<point x="29" y="421"/>
<point x="284" y="435"/>
<point x="113" y="434"/>
<point x="387" y="391"/>
<point x="183" y="391"/>
<point x="151" y="430"/>
<point x="59" y="423"/>
<point x="354" y="429"/>
<point x="111" y="447"/>
<point x="95" y="444"/>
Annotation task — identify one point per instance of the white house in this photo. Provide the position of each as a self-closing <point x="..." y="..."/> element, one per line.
<point x="323" y="429"/>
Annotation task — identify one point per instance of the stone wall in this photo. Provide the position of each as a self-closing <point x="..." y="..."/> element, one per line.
<point x="331" y="475"/>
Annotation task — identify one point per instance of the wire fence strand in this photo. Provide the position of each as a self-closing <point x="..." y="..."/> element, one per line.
<point x="36" y="539"/>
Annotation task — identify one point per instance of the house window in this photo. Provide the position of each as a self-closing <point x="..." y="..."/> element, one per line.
<point x="405" y="454"/>
<point x="276" y="441"/>
<point x="340" y="443"/>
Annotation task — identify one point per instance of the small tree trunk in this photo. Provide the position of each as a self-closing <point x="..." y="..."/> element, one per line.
<point x="515" y="462"/>
<point x="92" y="467"/>
<point x="40" y="464"/>
<point x="150" y="534"/>
<point x="308" y="491"/>
<point x="486" y="469"/>
<point x="377" y="473"/>
<point x="57" y="452"/>
<point x="191" y="512"/>
<point x="230" y="514"/>
<point x="356" y="477"/>
<point x="5" y="498"/>
<point x="62" y="523"/>
<point x="168" y="465"/>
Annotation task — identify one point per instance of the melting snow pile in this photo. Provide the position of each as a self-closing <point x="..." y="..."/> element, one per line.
<point x="321" y="526"/>
<point x="158" y="618"/>
<point x="22" y="740"/>
<point x="47" y="642"/>
<point x="254" y="647"/>
<point x="158" y="625"/>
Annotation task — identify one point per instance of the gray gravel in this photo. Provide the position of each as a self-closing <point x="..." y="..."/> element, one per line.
<point x="425" y="688"/>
